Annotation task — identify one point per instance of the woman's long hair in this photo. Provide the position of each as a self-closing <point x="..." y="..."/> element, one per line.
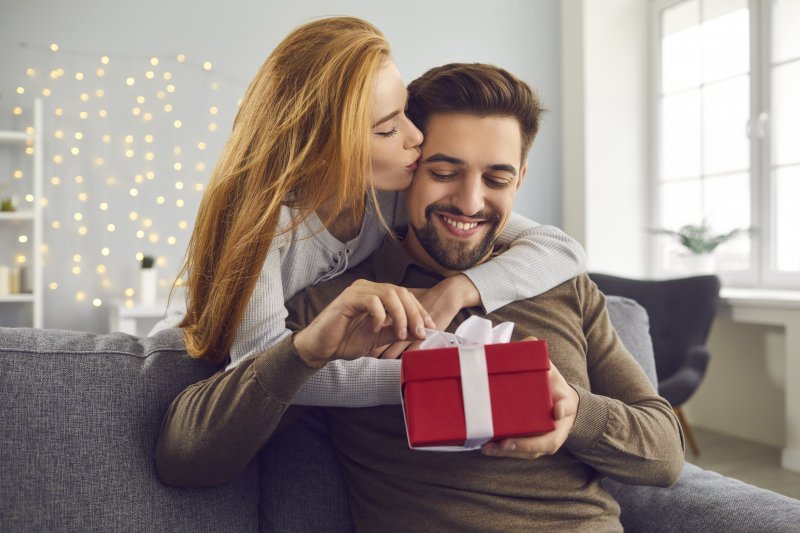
<point x="301" y="138"/>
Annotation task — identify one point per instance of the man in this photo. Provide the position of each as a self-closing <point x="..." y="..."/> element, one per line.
<point x="479" y="122"/>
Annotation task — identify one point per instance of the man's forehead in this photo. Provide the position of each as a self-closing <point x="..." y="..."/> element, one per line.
<point x="473" y="139"/>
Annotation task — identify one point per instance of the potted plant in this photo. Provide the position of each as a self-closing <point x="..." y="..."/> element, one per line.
<point x="700" y="243"/>
<point x="148" y="276"/>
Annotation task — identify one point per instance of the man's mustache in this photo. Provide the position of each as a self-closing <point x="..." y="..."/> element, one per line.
<point x="489" y="216"/>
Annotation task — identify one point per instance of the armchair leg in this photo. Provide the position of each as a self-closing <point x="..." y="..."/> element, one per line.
<point x="687" y="430"/>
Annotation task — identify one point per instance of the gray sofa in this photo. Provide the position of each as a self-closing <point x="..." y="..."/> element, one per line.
<point x="80" y="412"/>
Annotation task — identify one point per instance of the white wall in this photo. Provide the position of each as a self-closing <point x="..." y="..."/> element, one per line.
<point x="606" y="131"/>
<point x="235" y="36"/>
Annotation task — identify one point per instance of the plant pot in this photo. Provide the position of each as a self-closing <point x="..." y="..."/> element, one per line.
<point x="148" y="288"/>
<point x="700" y="264"/>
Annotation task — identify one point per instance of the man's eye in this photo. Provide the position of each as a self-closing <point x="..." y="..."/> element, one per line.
<point x="387" y="133"/>
<point x="440" y="176"/>
<point x="496" y="183"/>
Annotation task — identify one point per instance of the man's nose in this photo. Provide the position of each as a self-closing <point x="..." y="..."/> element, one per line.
<point x="468" y="196"/>
<point x="414" y="136"/>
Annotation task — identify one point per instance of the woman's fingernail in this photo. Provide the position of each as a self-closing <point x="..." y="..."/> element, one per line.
<point x="430" y="323"/>
<point x="403" y="334"/>
<point x="421" y="331"/>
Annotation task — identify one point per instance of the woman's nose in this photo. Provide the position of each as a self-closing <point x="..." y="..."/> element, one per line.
<point x="414" y="137"/>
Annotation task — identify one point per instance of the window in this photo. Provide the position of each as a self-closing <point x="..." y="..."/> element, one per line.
<point x="728" y="133"/>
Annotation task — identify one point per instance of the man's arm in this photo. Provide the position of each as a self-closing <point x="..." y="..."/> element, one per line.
<point x="620" y="427"/>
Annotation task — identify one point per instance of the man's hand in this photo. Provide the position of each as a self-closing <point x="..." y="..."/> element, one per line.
<point x="443" y="301"/>
<point x="364" y="316"/>
<point x="565" y="408"/>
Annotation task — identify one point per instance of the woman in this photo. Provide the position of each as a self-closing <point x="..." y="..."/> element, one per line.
<point x="307" y="186"/>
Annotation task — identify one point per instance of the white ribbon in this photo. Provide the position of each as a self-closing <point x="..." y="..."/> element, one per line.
<point x="470" y="338"/>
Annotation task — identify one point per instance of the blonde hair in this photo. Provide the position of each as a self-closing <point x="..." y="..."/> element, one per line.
<point x="301" y="138"/>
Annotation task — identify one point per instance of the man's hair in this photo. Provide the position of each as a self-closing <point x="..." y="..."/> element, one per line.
<point x="477" y="89"/>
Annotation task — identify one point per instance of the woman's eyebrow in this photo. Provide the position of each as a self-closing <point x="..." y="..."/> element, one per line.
<point x="390" y="116"/>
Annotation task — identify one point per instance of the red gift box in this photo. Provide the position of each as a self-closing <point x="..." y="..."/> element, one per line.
<point x="519" y="388"/>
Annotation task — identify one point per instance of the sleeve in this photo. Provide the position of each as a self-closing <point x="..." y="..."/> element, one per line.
<point x="623" y="429"/>
<point x="539" y="258"/>
<point x="264" y="320"/>
<point x="362" y="382"/>
<point x="214" y="428"/>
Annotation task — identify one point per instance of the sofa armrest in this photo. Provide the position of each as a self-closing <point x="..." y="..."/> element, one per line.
<point x="705" y="501"/>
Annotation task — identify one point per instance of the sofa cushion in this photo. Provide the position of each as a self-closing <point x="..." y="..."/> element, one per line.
<point x="79" y="417"/>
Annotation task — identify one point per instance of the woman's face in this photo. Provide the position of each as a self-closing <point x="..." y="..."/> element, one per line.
<point x="395" y="140"/>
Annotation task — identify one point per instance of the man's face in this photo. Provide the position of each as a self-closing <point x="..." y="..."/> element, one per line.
<point x="464" y="188"/>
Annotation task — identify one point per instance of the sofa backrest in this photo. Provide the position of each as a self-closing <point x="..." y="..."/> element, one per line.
<point x="79" y="417"/>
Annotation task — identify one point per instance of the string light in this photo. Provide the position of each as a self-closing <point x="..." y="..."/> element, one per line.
<point x="78" y="94"/>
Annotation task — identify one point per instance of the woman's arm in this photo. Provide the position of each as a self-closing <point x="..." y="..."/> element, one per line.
<point x="539" y="258"/>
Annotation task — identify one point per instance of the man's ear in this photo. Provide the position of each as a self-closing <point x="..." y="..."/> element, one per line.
<point x="522" y="172"/>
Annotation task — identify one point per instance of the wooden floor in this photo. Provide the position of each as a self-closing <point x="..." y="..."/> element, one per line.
<point x="753" y="463"/>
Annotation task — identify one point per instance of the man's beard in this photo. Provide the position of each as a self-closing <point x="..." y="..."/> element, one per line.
<point x="455" y="255"/>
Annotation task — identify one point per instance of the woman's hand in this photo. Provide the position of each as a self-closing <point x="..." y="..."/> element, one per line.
<point x="565" y="409"/>
<point x="364" y="316"/>
<point x="443" y="301"/>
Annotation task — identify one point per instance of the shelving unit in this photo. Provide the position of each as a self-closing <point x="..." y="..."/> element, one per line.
<point x="33" y="214"/>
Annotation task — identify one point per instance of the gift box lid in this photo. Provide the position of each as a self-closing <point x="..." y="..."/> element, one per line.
<point x="442" y="363"/>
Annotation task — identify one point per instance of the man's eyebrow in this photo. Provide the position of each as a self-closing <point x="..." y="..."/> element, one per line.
<point x="444" y="158"/>
<point x="390" y="116"/>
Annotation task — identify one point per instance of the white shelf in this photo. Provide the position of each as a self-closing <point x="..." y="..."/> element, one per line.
<point x="16" y="298"/>
<point x="17" y="215"/>
<point x="32" y="214"/>
<point x="15" y="136"/>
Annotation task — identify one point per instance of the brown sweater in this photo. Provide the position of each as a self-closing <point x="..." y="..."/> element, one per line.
<point x="623" y="429"/>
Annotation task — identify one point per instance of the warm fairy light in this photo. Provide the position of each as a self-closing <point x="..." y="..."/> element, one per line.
<point x="29" y="150"/>
<point x="136" y="111"/>
<point x="129" y="292"/>
<point x="21" y="90"/>
<point x="130" y="81"/>
<point x="78" y="135"/>
<point x="78" y="179"/>
<point x="106" y="138"/>
<point x="167" y="108"/>
<point x="58" y="111"/>
<point x="160" y="200"/>
<point x="177" y="123"/>
<point x="149" y="156"/>
<point x="54" y="74"/>
<point x="75" y="150"/>
<point x="139" y="256"/>
<point x="101" y="269"/>
<point x="80" y="296"/>
<point x="161" y="262"/>
<point x="104" y="60"/>
<point x="200" y="166"/>
<point x="177" y="166"/>
<point x="150" y="174"/>
<point x="129" y="153"/>
<point x="43" y="202"/>
<point x="99" y="93"/>
<point x="153" y="237"/>
<point x="168" y="76"/>
<point x="76" y="270"/>
<point x="30" y="72"/>
<point x="21" y="259"/>
<point x="138" y="178"/>
<point x="212" y="126"/>
<point x="82" y="197"/>
<point x="154" y="61"/>
<point x="54" y="47"/>
<point x="55" y="224"/>
<point x="77" y="258"/>
<point x="147" y="223"/>
<point x="78" y="216"/>
<point x="55" y="180"/>
<point x="79" y="76"/>
<point x="53" y="286"/>
<point x="160" y="95"/>
<point x="111" y="228"/>
<point x="140" y="234"/>
<point x="58" y="158"/>
<point x="199" y="187"/>
<point x="46" y="92"/>
<point x="171" y="240"/>
<point x="84" y="115"/>
<point x="133" y="215"/>
<point x="183" y="224"/>
<point x="149" y="74"/>
<point x="133" y="191"/>
<point x="105" y="252"/>
<point x="179" y="185"/>
<point x="181" y="58"/>
<point x="58" y="134"/>
<point x="177" y="150"/>
<point x="140" y="99"/>
<point x="170" y="88"/>
<point x="215" y="86"/>
<point x="207" y="65"/>
<point x="83" y="230"/>
<point x="22" y="239"/>
<point x="103" y="206"/>
<point x="147" y="117"/>
<point x="84" y="97"/>
<point x="29" y="198"/>
<point x="18" y="174"/>
<point x="97" y="302"/>
<point x="201" y="145"/>
<point x="129" y="138"/>
<point x="100" y="73"/>
<point x="102" y="113"/>
<point x="213" y="110"/>
<point x="148" y="138"/>
<point x="99" y="161"/>
<point x="179" y="202"/>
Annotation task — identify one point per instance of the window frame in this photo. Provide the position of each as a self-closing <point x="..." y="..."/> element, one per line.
<point x="762" y="273"/>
